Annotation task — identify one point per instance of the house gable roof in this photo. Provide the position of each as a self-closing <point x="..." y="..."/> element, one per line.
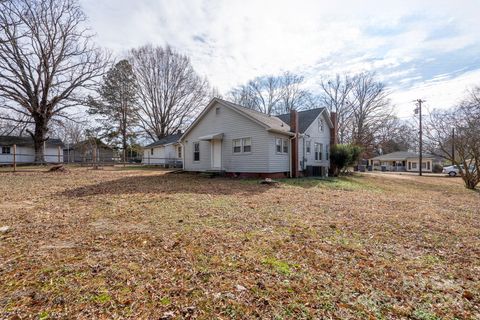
<point x="270" y="123"/>
<point x="305" y="118"/>
<point x="27" y="141"/>
<point x="173" y="138"/>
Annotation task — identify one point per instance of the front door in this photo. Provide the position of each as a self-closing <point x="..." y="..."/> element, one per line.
<point x="216" y="154"/>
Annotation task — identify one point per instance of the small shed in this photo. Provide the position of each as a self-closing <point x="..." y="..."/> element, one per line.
<point x="83" y="152"/>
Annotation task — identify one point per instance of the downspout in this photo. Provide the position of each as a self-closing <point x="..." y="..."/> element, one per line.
<point x="290" y="163"/>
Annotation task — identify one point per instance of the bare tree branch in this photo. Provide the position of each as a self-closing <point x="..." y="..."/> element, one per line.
<point x="47" y="61"/>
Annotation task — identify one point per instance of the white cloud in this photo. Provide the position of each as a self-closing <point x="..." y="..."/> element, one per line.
<point x="233" y="41"/>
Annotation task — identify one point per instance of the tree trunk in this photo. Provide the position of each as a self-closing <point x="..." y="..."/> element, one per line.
<point x="38" y="140"/>
<point x="470" y="184"/>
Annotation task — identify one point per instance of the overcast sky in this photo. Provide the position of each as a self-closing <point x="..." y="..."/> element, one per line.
<point x="426" y="49"/>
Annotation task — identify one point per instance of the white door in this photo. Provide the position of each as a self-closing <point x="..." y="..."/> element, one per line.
<point x="216" y="154"/>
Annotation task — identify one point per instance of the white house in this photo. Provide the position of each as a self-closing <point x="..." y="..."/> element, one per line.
<point x="25" y="152"/>
<point x="165" y="152"/>
<point x="403" y="161"/>
<point x="238" y="141"/>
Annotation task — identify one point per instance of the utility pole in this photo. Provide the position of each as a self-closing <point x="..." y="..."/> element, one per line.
<point x="419" y="111"/>
<point x="453" y="146"/>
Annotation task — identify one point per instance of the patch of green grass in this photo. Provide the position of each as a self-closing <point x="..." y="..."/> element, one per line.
<point x="431" y="260"/>
<point x="102" y="298"/>
<point x="165" y="301"/>
<point x="43" y="315"/>
<point x="336" y="183"/>
<point x="421" y="314"/>
<point x="279" y="265"/>
<point x="325" y="300"/>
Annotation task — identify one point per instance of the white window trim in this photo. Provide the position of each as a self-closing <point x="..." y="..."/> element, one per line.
<point x="179" y="152"/>
<point x="242" y="145"/>
<point x="284" y="142"/>
<point x="321" y="125"/>
<point x="319" y="152"/>
<point x="194" y="143"/>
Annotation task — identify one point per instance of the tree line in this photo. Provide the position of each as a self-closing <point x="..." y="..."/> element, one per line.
<point x="50" y="66"/>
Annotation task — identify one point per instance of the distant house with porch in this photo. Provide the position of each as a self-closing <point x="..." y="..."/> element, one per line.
<point x="84" y="151"/>
<point x="167" y="152"/>
<point x="403" y="161"/>
<point x="25" y="151"/>
<point x="229" y="138"/>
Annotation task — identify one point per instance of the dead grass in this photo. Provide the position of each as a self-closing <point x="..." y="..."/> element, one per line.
<point x="146" y="244"/>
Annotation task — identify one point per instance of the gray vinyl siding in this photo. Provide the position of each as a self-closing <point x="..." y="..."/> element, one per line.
<point x="233" y="125"/>
<point x="316" y="136"/>
<point x="279" y="162"/>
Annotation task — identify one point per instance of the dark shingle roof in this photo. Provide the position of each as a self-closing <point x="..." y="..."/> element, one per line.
<point x="305" y="118"/>
<point x="27" y="141"/>
<point x="165" y="140"/>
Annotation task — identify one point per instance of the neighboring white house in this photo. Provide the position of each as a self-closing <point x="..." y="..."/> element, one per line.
<point x="25" y="152"/>
<point x="165" y="152"/>
<point x="229" y="138"/>
<point x="403" y="161"/>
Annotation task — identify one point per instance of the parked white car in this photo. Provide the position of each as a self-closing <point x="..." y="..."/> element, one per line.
<point x="453" y="171"/>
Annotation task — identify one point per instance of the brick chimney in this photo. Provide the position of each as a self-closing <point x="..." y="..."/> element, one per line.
<point x="334" y="130"/>
<point x="294" y="148"/>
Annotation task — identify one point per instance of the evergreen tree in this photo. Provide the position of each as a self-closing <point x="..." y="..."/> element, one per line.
<point x="117" y="105"/>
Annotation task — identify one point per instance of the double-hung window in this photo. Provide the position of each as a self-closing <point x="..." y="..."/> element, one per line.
<point x="247" y="145"/>
<point x="327" y="152"/>
<point x="281" y="145"/>
<point x="318" y="151"/>
<point x="151" y="151"/>
<point x="196" y="151"/>
<point x="179" y="150"/>
<point x="320" y="124"/>
<point x="237" y="145"/>
<point x="308" y="146"/>
<point x="278" y="145"/>
<point x="6" y="150"/>
<point x="242" y="145"/>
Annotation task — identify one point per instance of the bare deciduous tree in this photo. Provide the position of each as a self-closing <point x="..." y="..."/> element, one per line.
<point x="335" y="95"/>
<point x="272" y="94"/>
<point x="47" y="60"/>
<point x="370" y="109"/>
<point x="294" y="96"/>
<point x="263" y="94"/>
<point x="455" y="135"/>
<point x="170" y="92"/>
<point x="15" y="127"/>
<point x="395" y="135"/>
<point x="69" y="131"/>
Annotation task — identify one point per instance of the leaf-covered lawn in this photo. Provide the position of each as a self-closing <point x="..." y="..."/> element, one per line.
<point x="146" y="244"/>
